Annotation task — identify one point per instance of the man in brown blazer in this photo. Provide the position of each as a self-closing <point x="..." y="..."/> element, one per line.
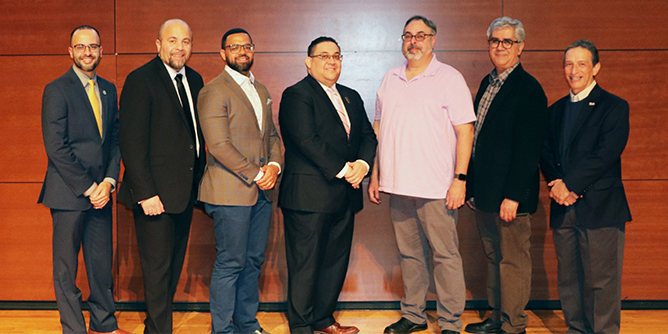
<point x="243" y="164"/>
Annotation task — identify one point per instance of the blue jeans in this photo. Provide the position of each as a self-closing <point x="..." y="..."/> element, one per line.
<point x="241" y="239"/>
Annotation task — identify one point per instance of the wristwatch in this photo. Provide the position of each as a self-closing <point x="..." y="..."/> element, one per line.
<point x="461" y="177"/>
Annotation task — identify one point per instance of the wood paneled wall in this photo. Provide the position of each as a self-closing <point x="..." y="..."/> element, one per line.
<point x="33" y="49"/>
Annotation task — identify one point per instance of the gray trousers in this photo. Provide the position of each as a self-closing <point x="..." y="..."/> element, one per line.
<point x="590" y="276"/>
<point x="506" y="246"/>
<point x="422" y="226"/>
<point x="92" y="231"/>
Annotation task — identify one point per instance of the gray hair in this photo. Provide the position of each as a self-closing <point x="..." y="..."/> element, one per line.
<point x="505" y="22"/>
<point x="426" y="21"/>
<point x="585" y="44"/>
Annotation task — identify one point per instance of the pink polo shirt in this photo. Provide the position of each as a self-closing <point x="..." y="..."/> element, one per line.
<point x="417" y="139"/>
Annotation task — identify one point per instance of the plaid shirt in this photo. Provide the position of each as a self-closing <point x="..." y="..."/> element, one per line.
<point x="495" y="83"/>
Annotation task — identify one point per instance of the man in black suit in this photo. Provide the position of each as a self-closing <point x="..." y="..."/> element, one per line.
<point x="503" y="182"/>
<point x="329" y="146"/>
<point x="588" y="130"/>
<point x="80" y="130"/>
<point x="163" y="153"/>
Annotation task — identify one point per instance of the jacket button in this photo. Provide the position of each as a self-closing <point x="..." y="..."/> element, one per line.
<point x="191" y="168"/>
<point x="191" y="147"/>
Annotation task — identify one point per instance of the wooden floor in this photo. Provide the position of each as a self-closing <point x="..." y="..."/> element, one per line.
<point x="369" y="322"/>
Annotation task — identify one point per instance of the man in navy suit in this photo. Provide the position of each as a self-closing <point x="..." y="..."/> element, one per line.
<point x="582" y="162"/>
<point x="80" y="130"/>
<point x="163" y="153"/>
<point x="329" y="146"/>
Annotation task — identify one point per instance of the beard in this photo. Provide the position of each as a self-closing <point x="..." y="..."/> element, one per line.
<point x="177" y="64"/>
<point x="87" y="67"/>
<point x="413" y="56"/>
<point x="241" y="67"/>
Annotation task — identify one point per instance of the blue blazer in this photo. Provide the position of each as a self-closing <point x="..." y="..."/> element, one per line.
<point x="77" y="155"/>
<point x="593" y="166"/>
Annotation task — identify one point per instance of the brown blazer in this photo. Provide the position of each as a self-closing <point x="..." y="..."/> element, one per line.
<point x="236" y="146"/>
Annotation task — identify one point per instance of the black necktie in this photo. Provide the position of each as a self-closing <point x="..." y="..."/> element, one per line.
<point x="186" y="105"/>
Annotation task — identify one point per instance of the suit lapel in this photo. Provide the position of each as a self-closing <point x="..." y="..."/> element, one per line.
<point x="589" y="104"/>
<point x="240" y="95"/>
<point x="80" y="93"/>
<point x="166" y="80"/>
<point x="322" y="95"/>
<point x="350" y="108"/>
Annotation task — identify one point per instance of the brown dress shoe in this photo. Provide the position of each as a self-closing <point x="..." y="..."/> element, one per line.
<point x="118" y="331"/>
<point x="338" y="329"/>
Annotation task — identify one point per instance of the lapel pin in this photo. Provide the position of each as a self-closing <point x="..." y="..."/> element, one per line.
<point x="104" y="92"/>
<point x="269" y="101"/>
<point x="347" y="99"/>
<point x="591" y="104"/>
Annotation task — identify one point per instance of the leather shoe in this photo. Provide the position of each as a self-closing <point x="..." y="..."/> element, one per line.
<point x="260" y="331"/>
<point x="335" y="328"/>
<point x="447" y="331"/>
<point x="504" y="332"/>
<point x="404" y="326"/>
<point x="485" y="327"/>
<point x="118" y="331"/>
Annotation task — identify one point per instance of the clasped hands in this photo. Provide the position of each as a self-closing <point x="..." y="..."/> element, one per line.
<point x="100" y="195"/>
<point x="560" y="193"/>
<point x="355" y="173"/>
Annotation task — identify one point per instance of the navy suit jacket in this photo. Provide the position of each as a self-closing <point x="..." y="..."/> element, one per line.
<point x="77" y="155"/>
<point x="593" y="166"/>
<point x="317" y="148"/>
<point x="509" y="145"/>
<point x="156" y="144"/>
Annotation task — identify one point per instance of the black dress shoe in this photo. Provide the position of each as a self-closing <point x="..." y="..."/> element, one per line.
<point x="404" y="326"/>
<point x="487" y="326"/>
<point x="447" y="331"/>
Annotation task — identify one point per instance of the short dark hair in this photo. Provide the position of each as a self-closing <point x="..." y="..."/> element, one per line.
<point x="232" y="32"/>
<point x="586" y="44"/>
<point x="426" y="21"/>
<point x="85" y="27"/>
<point x="319" y="40"/>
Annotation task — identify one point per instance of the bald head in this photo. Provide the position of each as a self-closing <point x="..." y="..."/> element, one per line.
<point x="174" y="43"/>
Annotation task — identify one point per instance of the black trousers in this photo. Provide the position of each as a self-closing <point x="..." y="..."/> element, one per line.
<point x="92" y="231"/>
<point x="590" y="275"/>
<point x="317" y="247"/>
<point x="162" y="241"/>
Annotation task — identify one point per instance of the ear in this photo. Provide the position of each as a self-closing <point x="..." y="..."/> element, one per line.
<point x="521" y="47"/>
<point x="157" y="44"/>
<point x="308" y="62"/>
<point x="71" y="52"/>
<point x="596" y="68"/>
<point x="223" y="56"/>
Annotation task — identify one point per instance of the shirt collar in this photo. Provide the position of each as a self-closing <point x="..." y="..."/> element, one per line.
<point x="238" y="77"/>
<point x="327" y="88"/>
<point x="173" y="72"/>
<point x="498" y="79"/>
<point x="83" y="77"/>
<point x="429" y="71"/>
<point x="583" y="94"/>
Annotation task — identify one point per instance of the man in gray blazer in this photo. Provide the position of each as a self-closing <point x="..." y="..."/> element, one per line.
<point x="243" y="165"/>
<point x="80" y="130"/>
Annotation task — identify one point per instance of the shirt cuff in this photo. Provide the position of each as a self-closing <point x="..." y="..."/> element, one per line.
<point x="112" y="182"/>
<point x="90" y="190"/>
<point x="259" y="175"/>
<point x="275" y="164"/>
<point x="365" y="165"/>
<point x="343" y="172"/>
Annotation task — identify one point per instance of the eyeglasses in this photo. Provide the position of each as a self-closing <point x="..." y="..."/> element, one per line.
<point x="82" y="47"/>
<point x="418" y="37"/>
<point x="507" y="43"/>
<point x="235" y="48"/>
<point x="336" y="57"/>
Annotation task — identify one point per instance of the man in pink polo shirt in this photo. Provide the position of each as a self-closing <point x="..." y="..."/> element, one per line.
<point x="424" y="122"/>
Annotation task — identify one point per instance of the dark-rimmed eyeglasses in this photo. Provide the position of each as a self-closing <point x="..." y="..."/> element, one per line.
<point x="418" y="37"/>
<point x="325" y="57"/>
<point x="507" y="43"/>
<point x="235" y="48"/>
<point x="83" y="47"/>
